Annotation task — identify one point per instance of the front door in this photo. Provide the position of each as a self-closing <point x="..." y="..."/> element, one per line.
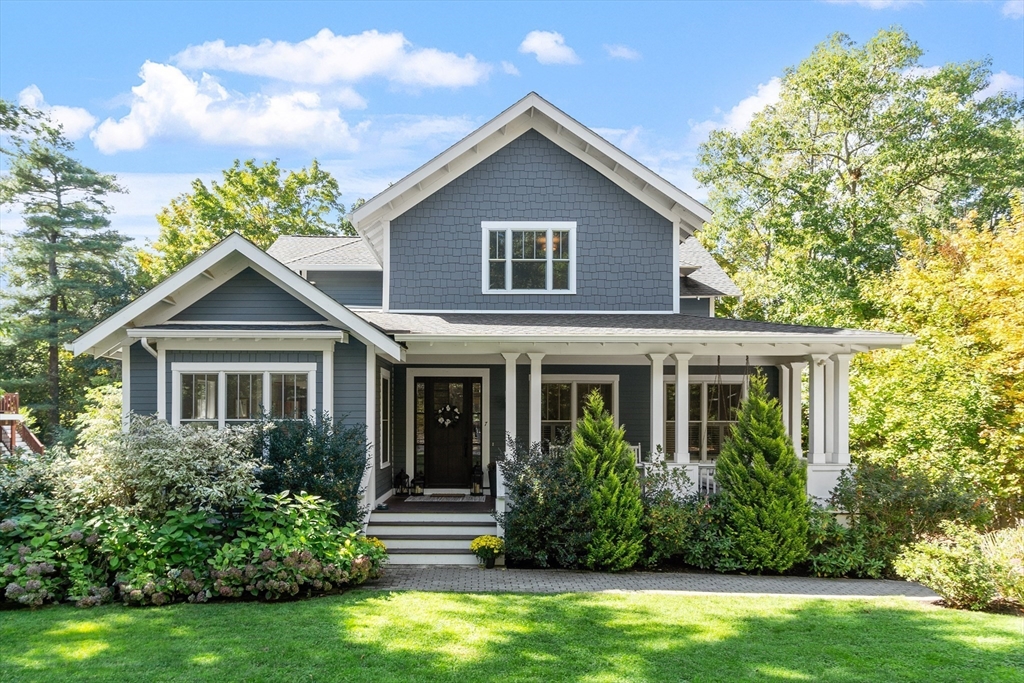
<point x="449" y="417"/>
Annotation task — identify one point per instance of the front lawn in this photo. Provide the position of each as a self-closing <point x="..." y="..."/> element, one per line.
<point x="377" y="636"/>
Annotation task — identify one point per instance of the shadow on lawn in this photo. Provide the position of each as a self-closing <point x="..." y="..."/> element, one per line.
<point x="476" y="637"/>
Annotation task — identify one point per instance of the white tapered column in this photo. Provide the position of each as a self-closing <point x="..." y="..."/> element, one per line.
<point x="682" y="415"/>
<point x="795" y="399"/>
<point x="510" y="396"/>
<point x="816" y="427"/>
<point x="657" y="400"/>
<point x="535" y="393"/>
<point x="830" y="411"/>
<point x="841" y="364"/>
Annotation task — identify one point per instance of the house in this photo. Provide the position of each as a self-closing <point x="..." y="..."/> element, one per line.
<point x="486" y="294"/>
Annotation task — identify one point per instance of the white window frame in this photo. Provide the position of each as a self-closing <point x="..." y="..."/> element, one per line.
<point x="515" y="226"/>
<point x="386" y="454"/>
<point x="575" y="381"/>
<point x="223" y="369"/>
<point x="704" y="381"/>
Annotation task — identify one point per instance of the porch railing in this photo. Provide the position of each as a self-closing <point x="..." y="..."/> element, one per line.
<point x="706" y="482"/>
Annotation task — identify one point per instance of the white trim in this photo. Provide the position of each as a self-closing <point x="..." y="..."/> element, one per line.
<point x="247" y="344"/>
<point x="658" y="417"/>
<point x="229" y="323"/>
<point x="511" y="397"/>
<point x="160" y="333"/>
<point x="711" y="307"/>
<point x="334" y="268"/>
<point x="411" y="375"/>
<point x="830" y="411"/>
<point x="383" y="497"/>
<point x="816" y="410"/>
<point x="385" y="374"/>
<point x="841" y="363"/>
<point x="576" y="379"/>
<point x="682" y="412"/>
<point x="509" y="227"/>
<point x="146" y="306"/>
<point x="327" y="382"/>
<point x="386" y="291"/>
<point x="675" y="259"/>
<point x="161" y="382"/>
<point x="519" y="311"/>
<point x="370" y="477"/>
<point x="222" y="370"/>
<point x="126" y="385"/>
<point x="796" y="422"/>
<point x="536" y="380"/>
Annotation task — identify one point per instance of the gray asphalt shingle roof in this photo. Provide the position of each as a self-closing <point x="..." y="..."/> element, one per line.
<point x="302" y="252"/>
<point x="709" y="279"/>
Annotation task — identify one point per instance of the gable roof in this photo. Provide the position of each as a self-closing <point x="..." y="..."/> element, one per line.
<point x="210" y="270"/>
<point x="700" y="273"/>
<point x="309" y="252"/>
<point x="530" y="113"/>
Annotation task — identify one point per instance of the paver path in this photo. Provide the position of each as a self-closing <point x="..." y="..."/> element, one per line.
<point x="475" y="580"/>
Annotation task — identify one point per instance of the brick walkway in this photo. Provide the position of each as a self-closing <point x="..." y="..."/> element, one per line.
<point x="475" y="580"/>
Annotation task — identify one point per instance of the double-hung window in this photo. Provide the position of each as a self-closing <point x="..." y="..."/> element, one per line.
<point x="563" y="400"/>
<point x="713" y="408"/>
<point x="525" y="257"/>
<point x="221" y="394"/>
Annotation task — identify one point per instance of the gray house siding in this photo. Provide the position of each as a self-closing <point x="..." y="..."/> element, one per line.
<point x="216" y="357"/>
<point x="352" y="288"/>
<point x="697" y="307"/>
<point x="350" y="382"/>
<point x="249" y="297"/>
<point x="624" y="248"/>
<point x="143" y="381"/>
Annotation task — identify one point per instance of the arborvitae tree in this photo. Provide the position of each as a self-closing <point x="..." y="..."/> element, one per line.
<point x="65" y="270"/>
<point x="600" y="452"/>
<point x="766" y="486"/>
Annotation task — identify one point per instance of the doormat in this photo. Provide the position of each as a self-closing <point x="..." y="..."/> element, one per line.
<point x="446" y="498"/>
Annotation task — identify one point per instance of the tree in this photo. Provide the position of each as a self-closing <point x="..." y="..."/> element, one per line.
<point x="65" y="269"/>
<point x="256" y="200"/>
<point x="951" y="406"/>
<point x="864" y="152"/>
<point x="766" y="486"/>
<point x="609" y="473"/>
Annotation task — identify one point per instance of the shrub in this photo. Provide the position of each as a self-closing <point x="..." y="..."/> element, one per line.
<point x="953" y="566"/>
<point x="318" y="456"/>
<point x="889" y="508"/>
<point x="155" y="467"/>
<point x="1004" y="550"/>
<point x="765" y="485"/>
<point x="837" y="550"/>
<point x="548" y="519"/>
<point x="609" y="473"/>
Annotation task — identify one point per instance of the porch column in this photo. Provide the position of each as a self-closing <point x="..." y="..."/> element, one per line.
<point x="795" y="400"/>
<point x="830" y="411"/>
<point x="657" y="401"/>
<point x="784" y="395"/>
<point x="510" y="398"/>
<point x="841" y="362"/>
<point x="682" y="415"/>
<point x="369" y="482"/>
<point x="535" y="380"/>
<point x="816" y="426"/>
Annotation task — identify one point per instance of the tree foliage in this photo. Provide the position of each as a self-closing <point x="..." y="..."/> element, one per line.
<point x="609" y="473"/>
<point x="765" y="485"/>
<point x="864" y="152"/>
<point x="259" y="201"/>
<point x="952" y="404"/>
<point x="65" y="271"/>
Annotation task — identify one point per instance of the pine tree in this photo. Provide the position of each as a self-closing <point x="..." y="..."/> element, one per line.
<point x="66" y="270"/>
<point x="766" y="486"/>
<point x="600" y="452"/>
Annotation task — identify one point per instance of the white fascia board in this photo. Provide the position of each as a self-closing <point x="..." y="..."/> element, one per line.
<point x="338" y="267"/>
<point x="381" y="207"/>
<point x="867" y="342"/>
<point x="170" y="333"/>
<point x="260" y="261"/>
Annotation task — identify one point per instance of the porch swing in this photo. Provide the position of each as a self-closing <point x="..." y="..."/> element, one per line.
<point x="706" y="474"/>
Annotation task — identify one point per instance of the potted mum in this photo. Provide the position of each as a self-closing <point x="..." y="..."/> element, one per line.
<point x="487" y="548"/>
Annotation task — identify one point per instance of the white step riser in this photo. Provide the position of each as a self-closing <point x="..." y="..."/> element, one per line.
<point x="427" y="558"/>
<point x="390" y="529"/>
<point x="469" y="518"/>
<point x="426" y="544"/>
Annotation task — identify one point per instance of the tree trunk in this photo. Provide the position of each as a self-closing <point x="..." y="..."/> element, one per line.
<point x="53" y="370"/>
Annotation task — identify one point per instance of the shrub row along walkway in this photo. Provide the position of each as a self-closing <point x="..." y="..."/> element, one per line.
<point x="475" y="580"/>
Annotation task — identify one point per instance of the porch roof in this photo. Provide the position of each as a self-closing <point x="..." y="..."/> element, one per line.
<point x="615" y="327"/>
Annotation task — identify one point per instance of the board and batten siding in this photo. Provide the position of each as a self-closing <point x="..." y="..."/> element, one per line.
<point x="623" y="251"/>
<point x="249" y="297"/>
<point x="143" y="399"/>
<point x="352" y="288"/>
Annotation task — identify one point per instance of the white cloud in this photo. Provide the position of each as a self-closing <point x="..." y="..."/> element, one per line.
<point x="877" y="4"/>
<point x="327" y="58"/>
<point x="1002" y="82"/>
<point x="1013" y="9"/>
<point x="170" y="104"/>
<point x="624" y="138"/>
<point x="509" y="68"/>
<point x="622" y="52"/>
<point x="415" y="130"/>
<point x="739" y="117"/>
<point x="75" y="120"/>
<point x="549" y="48"/>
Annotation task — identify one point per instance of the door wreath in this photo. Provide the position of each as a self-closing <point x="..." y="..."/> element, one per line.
<point x="448" y="416"/>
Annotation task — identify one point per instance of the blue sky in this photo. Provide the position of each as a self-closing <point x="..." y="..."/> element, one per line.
<point x="161" y="93"/>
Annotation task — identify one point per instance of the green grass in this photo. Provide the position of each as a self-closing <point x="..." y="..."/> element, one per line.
<point x="377" y="636"/>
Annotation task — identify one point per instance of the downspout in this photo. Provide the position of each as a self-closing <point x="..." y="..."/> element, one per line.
<point x="149" y="349"/>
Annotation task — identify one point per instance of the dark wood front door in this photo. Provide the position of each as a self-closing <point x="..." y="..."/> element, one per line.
<point x="449" y="420"/>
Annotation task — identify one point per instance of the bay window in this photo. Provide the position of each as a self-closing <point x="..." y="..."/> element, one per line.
<point x="529" y="257"/>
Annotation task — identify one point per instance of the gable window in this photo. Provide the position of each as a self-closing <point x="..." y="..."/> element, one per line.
<point x="564" y="399"/>
<point x="713" y="410"/>
<point x="384" y="440"/>
<point x="221" y="394"/>
<point x="522" y="257"/>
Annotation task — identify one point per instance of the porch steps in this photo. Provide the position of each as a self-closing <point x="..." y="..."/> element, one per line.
<point x="430" y="537"/>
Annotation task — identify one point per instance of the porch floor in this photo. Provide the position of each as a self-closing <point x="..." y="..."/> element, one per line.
<point x="418" y="504"/>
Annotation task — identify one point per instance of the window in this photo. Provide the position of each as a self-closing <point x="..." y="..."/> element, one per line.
<point x="563" y="400"/>
<point x="713" y="408"/>
<point x="384" y="441"/>
<point x="529" y="257"/>
<point x="199" y="399"/>
<point x="219" y="394"/>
